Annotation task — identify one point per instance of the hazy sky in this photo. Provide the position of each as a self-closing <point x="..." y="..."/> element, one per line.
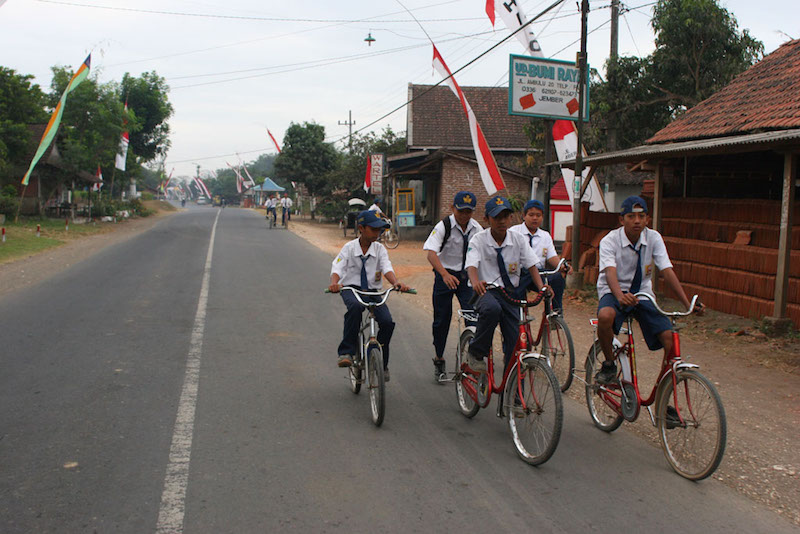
<point x="246" y="65"/>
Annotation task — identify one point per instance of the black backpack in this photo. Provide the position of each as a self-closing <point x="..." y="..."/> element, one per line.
<point x="447" y="231"/>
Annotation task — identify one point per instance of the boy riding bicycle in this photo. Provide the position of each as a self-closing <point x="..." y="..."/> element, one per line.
<point x="496" y="256"/>
<point x="360" y="264"/>
<point x="626" y="256"/>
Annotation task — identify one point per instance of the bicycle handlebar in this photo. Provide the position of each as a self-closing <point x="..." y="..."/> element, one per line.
<point x="651" y="298"/>
<point x="358" y="293"/>
<point x="556" y="270"/>
<point x="516" y="302"/>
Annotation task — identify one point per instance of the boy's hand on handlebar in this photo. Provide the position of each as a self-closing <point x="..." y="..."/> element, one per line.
<point x="400" y="286"/>
<point x="480" y="288"/>
<point x="699" y="308"/>
<point x="334" y="288"/>
<point x="566" y="269"/>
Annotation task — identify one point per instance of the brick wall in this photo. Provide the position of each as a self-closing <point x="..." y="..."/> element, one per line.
<point x="459" y="175"/>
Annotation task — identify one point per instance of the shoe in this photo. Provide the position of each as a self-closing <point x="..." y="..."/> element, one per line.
<point x="607" y="373"/>
<point x="672" y="420"/>
<point x="476" y="364"/>
<point x="345" y="360"/>
<point x="386" y="374"/>
<point x="439" y="372"/>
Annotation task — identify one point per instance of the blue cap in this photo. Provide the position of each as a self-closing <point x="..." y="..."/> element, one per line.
<point x="497" y="204"/>
<point x="378" y="200"/>
<point x="628" y="205"/>
<point x="464" y="200"/>
<point x="369" y="218"/>
<point x="533" y="204"/>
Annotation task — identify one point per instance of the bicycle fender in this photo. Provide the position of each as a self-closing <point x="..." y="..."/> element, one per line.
<point x="534" y="355"/>
<point x="667" y="378"/>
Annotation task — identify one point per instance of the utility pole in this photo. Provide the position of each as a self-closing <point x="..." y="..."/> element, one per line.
<point x="576" y="279"/>
<point x="612" y="58"/>
<point x="349" y="123"/>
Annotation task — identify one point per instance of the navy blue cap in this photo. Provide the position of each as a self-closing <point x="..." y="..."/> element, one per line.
<point x="497" y="204"/>
<point x="369" y="218"/>
<point x="464" y="200"/>
<point x="378" y="200"/>
<point x="629" y="203"/>
<point x="533" y="204"/>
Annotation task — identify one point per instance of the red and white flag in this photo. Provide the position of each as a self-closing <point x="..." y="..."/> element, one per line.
<point x="99" y="176"/>
<point x="238" y="176"/>
<point x="490" y="174"/>
<point x="122" y="153"/>
<point x="249" y="182"/>
<point x="202" y="187"/>
<point x="368" y="175"/>
<point x="274" y="141"/>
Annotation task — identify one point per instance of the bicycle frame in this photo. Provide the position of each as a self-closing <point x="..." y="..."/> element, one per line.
<point x="626" y="354"/>
<point x="368" y="322"/>
<point x="471" y="380"/>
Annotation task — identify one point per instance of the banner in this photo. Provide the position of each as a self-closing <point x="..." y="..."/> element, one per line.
<point x="55" y="119"/>
<point x="274" y="141"/>
<point x="122" y="153"/>
<point x="368" y="174"/>
<point x="376" y="173"/>
<point x="490" y="174"/>
<point x="99" y="176"/>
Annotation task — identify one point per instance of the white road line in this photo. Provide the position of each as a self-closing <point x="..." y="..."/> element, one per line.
<point x="173" y="498"/>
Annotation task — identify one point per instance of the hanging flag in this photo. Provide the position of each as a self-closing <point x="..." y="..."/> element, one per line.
<point x="202" y="187"/>
<point x="55" y="119"/>
<point x="250" y="182"/>
<point x="169" y="177"/>
<point x="99" y="176"/>
<point x="490" y="174"/>
<point x="294" y="185"/>
<point x="367" y="176"/>
<point x="274" y="141"/>
<point x="565" y="135"/>
<point x="122" y="153"/>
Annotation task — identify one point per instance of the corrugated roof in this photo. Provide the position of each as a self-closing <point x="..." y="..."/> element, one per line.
<point x="438" y="120"/>
<point x="764" y="97"/>
<point x="718" y="145"/>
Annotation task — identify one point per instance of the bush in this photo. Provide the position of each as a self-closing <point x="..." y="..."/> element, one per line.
<point x="147" y="195"/>
<point x="9" y="201"/>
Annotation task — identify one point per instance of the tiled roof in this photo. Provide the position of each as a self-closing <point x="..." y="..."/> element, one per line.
<point x="438" y="120"/>
<point x="764" y="97"/>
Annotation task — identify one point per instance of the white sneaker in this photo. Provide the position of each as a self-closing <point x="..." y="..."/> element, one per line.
<point x="477" y="365"/>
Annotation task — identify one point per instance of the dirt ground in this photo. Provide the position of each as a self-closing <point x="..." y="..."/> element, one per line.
<point x="758" y="378"/>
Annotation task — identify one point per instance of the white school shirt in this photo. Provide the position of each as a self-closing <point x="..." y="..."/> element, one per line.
<point x="542" y="244"/>
<point x="347" y="264"/>
<point x="375" y="207"/>
<point x="451" y="254"/>
<point x="516" y="255"/>
<point x="617" y="251"/>
<point x="286" y="202"/>
<point x="271" y="202"/>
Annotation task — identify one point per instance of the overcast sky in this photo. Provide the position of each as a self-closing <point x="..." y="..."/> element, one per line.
<point x="238" y="67"/>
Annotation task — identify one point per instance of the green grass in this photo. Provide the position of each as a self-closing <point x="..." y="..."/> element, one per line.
<point x="21" y="237"/>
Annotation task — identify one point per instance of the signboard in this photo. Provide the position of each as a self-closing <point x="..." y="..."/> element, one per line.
<point x="546" y="88"/>
<point x="376" y="174"/>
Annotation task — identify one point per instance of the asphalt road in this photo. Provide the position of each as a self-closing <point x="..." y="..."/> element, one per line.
<point x="98" y="361"/>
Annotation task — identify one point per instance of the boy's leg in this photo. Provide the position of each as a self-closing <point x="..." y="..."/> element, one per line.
<point x="442" y="313"/>
<point x="609" y="321"/>
<point x="352" y="320"/>
<point x="509" y="327"/>
<point x="385" y="329"/>
<point x="557" y="283"/>
<point x="656" y="329"/>
<point x="525" y="281"/>
<point x="489" y="313"/>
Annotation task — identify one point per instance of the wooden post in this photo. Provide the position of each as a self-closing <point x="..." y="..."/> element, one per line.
<point x="785" y="242"/>
<point x="658" y="198"/>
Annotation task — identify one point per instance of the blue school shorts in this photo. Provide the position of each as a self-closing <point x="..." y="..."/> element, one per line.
<point x="650" y="320"/>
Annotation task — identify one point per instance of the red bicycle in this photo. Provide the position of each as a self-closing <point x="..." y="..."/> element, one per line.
<point x="689" y="414"/>
<point x="529" y="394"/>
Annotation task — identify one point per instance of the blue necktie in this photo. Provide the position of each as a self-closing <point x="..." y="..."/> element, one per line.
<point x="465" y="244"/>
<point x="530" y="240"/>
<point x="501" y="264"/>
<point x="364" y="282"/>
<point x="637" y="278"/>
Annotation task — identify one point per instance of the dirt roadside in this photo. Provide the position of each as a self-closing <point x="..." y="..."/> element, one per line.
<point x="757" y="378"/>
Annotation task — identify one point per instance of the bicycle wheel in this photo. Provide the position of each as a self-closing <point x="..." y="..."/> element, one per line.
<point x="391" y="238"/>
<point x="534" y="410"/>
<point x="694" y="447"/>
<point x="465" y="383"/>
<point x="356" y="373"/>
<point x="557" y="346"/>
<point x="605" y="417"/>
<point x="377" y="387"/>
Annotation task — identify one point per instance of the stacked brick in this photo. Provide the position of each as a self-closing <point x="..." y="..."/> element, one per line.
<point x="699" y="234"/>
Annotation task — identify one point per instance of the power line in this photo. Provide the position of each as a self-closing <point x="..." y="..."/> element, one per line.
<point x="243" y="17"/>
